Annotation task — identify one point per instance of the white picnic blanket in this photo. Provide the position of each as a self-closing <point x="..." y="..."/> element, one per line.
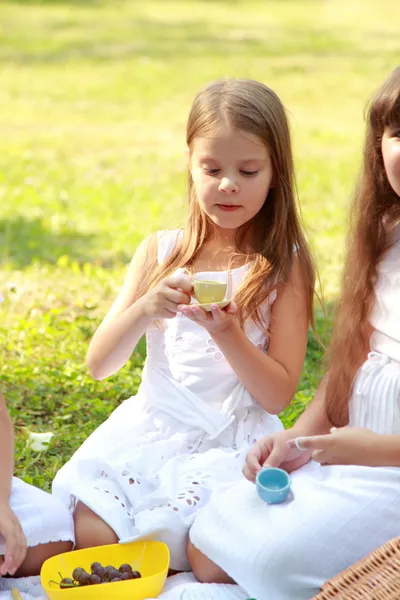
<point x="179" y="587"/>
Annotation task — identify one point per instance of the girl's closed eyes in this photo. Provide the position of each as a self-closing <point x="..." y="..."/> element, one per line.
<point x="217" y="171"/>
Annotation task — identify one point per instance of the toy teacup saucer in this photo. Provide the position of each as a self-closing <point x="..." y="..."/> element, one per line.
<point x="207" y="306"/>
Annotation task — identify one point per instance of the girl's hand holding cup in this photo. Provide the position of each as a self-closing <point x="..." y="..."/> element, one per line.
<point x="214" y="310"/>
<point x="163" y="301"/>
<point x="275" y="450"/>
<point x="215" y="320"/>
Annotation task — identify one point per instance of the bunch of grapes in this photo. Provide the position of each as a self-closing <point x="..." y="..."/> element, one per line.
<point x="98" y="574"/>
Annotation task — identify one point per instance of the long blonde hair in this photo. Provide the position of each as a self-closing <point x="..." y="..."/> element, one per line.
<point x="269" y="239"/>
<point x="375" y="209"/>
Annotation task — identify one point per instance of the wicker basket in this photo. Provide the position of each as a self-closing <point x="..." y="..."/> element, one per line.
<point x="375" y="577"/>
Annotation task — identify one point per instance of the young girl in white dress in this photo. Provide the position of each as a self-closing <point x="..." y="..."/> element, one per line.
<point x="33" y="524"/>
<point x="346" y="501"/>
<point x="214" y="381"/>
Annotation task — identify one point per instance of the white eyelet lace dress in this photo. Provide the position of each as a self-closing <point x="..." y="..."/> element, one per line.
<point x="336" y="514"/>
<point x="155" y="462"/>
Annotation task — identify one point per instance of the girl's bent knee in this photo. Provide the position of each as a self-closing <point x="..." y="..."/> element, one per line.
<point x="90" y="529"/>
<point x="204" y="569"/>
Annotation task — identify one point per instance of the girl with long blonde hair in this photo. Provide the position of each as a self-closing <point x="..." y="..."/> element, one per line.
<point x="217" y="373"/>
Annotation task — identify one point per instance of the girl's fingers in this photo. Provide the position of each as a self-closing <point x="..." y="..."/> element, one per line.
<point x="171" y="306"/>
<point x="319" y="456"/>
<point x="194" y="312"/>
<point x="19" y="554"/>
<point x="3" y="569"/>
<point x="177" y="296"/>
<point x="15" y="542"/>
<point x="313" y="442"/>
<point x="248" y="473"/>
<point x="217" y="313"/>
<point x="9" y="564"/>
<point x="231" y="308"/>
<point x="22" y="550"/>
<point x="199" y="313"/>
<point x="181" y="281"/>
<point x="253" y="459"/>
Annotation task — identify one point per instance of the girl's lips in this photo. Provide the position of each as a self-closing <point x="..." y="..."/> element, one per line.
<point x="228" y="207"/>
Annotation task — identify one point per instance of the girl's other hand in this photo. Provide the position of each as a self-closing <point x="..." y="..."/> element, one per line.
<point x="162" y="301"/>
<point x="274" y="451"/>
<point x="215" y="320"/>
<point x="343" y="446"/>
<point x="11" y="530"/>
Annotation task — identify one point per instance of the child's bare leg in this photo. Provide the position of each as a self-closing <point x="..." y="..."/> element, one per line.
<point x="36" y="555"/>
<point x="90" y="529"/>
<point x="204" y="569"/>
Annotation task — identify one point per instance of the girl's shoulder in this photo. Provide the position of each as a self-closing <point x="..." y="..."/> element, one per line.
<point x="156" y="247"/>
<point x="167" y="240"/>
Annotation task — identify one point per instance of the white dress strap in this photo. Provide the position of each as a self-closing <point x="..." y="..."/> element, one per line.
<point x="166" y="242"/>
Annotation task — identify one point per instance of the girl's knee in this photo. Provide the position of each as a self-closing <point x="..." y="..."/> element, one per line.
<point x="204" y="569"/>
<point x="90" y="529"/>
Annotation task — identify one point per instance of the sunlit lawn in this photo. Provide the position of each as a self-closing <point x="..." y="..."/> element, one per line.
<point x="93" y="102"/>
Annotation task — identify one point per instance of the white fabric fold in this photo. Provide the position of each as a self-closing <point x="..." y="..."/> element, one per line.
<point x="177" y="401"/>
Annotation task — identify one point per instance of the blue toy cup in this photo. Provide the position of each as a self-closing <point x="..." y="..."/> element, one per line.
<point x="273" y="485"/>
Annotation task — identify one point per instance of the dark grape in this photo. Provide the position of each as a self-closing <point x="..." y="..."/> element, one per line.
<point x="95" y="579"/>
<point x="77" y="573"/>
<point x="125" y="568"/>
<point x="84" y="578"/>
<point x="136" y="575"/>
<point x="94" y="566"/>
<point x="115" y="579"/>
<point x="113" y="574"/>
<point x="100" y="572"/>
<point x="126" y="576"/>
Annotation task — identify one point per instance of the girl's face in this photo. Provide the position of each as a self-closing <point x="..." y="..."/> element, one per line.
<point x="232" y="175"/>
<point x="391" y="155"/>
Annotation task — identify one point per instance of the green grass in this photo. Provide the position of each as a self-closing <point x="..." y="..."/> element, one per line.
<point x="93" y="102"/>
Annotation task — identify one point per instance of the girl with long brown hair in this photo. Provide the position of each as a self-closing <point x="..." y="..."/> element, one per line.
<point x="344" y="451"/>
<point x="217" y="374"/>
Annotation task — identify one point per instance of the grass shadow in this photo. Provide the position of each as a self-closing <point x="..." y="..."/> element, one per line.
<point x="25" y="241"/>
<point x="163" y="40"/>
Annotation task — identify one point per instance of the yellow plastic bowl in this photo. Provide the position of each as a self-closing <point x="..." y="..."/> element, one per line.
<point x="150" y="558"/>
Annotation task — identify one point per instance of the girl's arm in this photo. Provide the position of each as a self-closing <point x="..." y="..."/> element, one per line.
<point x="10" y="527"/>
<point x="130" y="316"/>
<point x="353" y="446"/>
<point x="314" y="420"/>
<point x="126" y="322"/>
<point x="272" y="379"/>
<point x="6" y="453"/>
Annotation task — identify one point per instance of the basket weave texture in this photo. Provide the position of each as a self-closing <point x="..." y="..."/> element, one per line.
<point x="375" y="577"/>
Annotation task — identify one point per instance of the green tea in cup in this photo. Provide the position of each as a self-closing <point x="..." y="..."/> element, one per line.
<point x="207" y="292"/>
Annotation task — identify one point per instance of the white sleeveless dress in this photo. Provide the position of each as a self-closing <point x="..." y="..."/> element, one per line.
<point x="336" y="514"/>
<point x="149" y="468"/>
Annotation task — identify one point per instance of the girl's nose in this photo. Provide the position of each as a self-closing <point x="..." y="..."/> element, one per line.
<point x="228" y="186"/>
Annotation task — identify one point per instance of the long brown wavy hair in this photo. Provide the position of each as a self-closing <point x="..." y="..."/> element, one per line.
<point x="375" y="209"/>
<point x="269" y="239"/>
